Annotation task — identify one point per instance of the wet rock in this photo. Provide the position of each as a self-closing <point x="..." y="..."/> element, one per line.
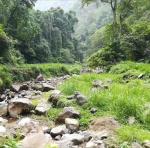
<point x="60" y="130"/>
<point x="2" y="130"/>
<point x="42" y="108"/>
<point x="80" y="99"/>
<point x="104" y="124"/>
<point x="93" y="110"/>
<point x="72" y="124"/>
<point x="47" y="87"/>
<point x="15" y="87"/>
<point x="3" y="108"/>
<point x="40" y="77"/>
<point x="67" y="112"/>
<point x="19" y="106"/>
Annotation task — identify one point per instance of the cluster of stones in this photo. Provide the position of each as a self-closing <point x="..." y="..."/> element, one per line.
<point x="66" y="133"/>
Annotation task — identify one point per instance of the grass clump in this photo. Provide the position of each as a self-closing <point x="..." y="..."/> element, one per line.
<point x="132" y="133"/>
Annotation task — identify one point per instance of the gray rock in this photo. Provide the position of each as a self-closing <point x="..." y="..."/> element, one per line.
<point x="64" y="144"/>
<point x="58" y="137"/>
<point x="3" y="121"/>
<point x="66" y="77"/>
<point x="80" y="99"/>
<point x="2" y="130"/>
<point x="91" y="144"/>
<point x="146" y="144"/>
<point x="67" y="112"/>
<point x="47" y="87"/>
<point x="3" y="108"/>
<point x="87" y="135"/>
<point x="131" y="120"/>
<point x="72" y="124"/>
<point x="19" y="106"/>
<point x="93" y="110"/>
<point x="40" y="77"/>
<point x="42" y="108"/>
<point x="24" y="87"/>
<point x="59" y="130"/>
<point x="76" y="139"/>
<point x="108" y="80"/>
<point x="54" y="94"/>
<point x="70" y="97"/>
<point x="97" y="83"/>
<point x="15" y="87"/>
<point x="2" y="97"/>
<point x="141" y="76"/>
<point x="136" y="145"/>
<point x="24" y="121"/>
<point x="37" y="87"/>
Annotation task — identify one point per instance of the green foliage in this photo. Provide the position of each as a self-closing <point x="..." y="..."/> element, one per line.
<point x="9" y="142"/>
<point x="132" y="133"/>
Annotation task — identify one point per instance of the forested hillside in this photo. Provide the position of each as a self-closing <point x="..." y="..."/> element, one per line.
<point x="36" y="37"/>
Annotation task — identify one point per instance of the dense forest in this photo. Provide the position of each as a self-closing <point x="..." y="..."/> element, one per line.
<point x="102" y="32"/>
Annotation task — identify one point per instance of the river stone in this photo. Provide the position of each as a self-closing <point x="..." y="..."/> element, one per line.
<point x="97" y="83"/>
<point x="47" y="87"/>
<point x="91" y="144"/>
<point x="76" y="139"/>
<point x="59" y="130"/>
<point x="42" y="108"/>
<point x="3" y="108"/>
<point x="18" y="106"/>
<point x="40" y="77"/>
<point x="15" y="87"/>
<point x="2" y="130"/>
<point x="146" y="144"/>
<point x="80" y="99"/>
<point x="72" y="124"/>
<point x="87" y="135"/>
<point x="3" y="121"/>
<point x="67" y="112"/>
<point x="2" y="97"/>
<point x="93" y="110"/>
<point x="24" y="121"/>
<point x="37" y="87"/>
<point x="24" y="87"/>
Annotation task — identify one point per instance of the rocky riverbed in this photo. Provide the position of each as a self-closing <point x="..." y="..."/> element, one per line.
<point x="17" y="117"/>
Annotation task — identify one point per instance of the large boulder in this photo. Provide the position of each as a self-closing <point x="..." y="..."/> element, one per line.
<point x="19" y="106"/>
<point x="67" y="112"/>
<point x="3" y="108"/>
